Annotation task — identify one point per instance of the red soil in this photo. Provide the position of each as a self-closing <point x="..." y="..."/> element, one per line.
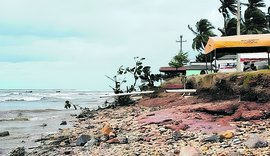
<point x="181" y="113"/>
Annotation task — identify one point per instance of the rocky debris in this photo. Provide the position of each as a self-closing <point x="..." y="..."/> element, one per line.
<point x="255" y="141"/>
<point x="5" y="133"/>
<point x="151" y="127"/>
<point x="213" y="138"/>
<point x="58" y="140"/>
<point x="87" y="113"/>
<point x="20" y="151"/>
<point x="63" y="123"/>
<point x="82" y="140"/>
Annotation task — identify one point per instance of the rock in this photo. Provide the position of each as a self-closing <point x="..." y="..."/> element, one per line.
<point x="213" y="138"/>
<point x="123" y="140"/>
<point x="43" y="125"/>
<point x="204" y="148"/>
<point x="189" y="151"/>
<point x="162" y="129"/>
<point x="106" y="130"/>
<point x="112" y="135"/>
<point x="176" y="135"/>
<point x="93" y="141"/>
<point x="104" y="138"/>
<point x="224" y="145"/>
<point x="227" y="135"/>
<point x="20" y="151"/>
<point x="252" y="115"/>
<point x="86" y="113"/>
<point x="90" y="127"/>
<point x="63" y="123"/>
<point x="113" y="141"/>
<point x="255" y="141"/>
<point x="176" y="151"/>
<point x="3" y="134"/>
<point x="237" y="141"/>
<point x="82" y="140"/>
<point x="67" y="152"/>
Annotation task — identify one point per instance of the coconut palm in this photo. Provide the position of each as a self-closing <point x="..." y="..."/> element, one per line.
<point x="227" y="7"/>
<point x="255" y="19"/>
<point x="230" y="27"/>
<point x="203" y="32"/>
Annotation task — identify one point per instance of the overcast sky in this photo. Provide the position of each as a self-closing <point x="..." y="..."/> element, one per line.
<point x="73" y="44"/>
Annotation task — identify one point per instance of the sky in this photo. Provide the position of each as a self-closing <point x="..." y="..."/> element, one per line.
<point x="73" y="44"/>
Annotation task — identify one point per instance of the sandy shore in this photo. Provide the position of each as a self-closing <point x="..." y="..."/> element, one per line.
<point x="167" y="125"/>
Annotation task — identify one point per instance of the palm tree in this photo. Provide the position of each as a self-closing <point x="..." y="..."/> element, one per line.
<point x="228" y="6"/>
<point x="203" y="32"/>
<point x="230" y="27"/>
<point x="255" y="19"/>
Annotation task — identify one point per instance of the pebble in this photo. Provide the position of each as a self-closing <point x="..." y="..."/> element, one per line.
<point x="5" y="133"/>
<point x="255" y="141"/>
<point x="63" y="123"/>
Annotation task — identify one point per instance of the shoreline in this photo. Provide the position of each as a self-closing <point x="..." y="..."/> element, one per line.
<point x="32" y="125"/>
<point x="167" y="125"/>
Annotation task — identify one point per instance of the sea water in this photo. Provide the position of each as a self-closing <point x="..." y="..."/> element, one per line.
<point x="25" y="112"/>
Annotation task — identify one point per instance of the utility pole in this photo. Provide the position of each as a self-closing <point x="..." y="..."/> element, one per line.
<point x="238" y="17"/>
<point x="181" y="42"/>
<point x="268" y="17"/>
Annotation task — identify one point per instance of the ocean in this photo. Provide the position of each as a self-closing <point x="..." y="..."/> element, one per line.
<point x="23" y="112"/>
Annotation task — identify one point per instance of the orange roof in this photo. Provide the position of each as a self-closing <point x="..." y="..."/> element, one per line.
<point x="258" y="40"/>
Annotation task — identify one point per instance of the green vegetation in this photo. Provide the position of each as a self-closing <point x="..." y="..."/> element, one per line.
<point x="138" y="72"/>
<point x="179" y="60"/>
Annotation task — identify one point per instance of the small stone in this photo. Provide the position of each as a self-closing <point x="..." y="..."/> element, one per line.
<point x="176" y="151"/>
<point x="92" y="142"/>
<point x="63" y="123"/>
<point x="82" y="140"/>
<point x="255" y="141"/>
<point x="5" y="133"/>
<point x="204" y="148"/>
<point x="90" y="127"/>
<point x="189" y="151"/>
<point x="162" y="129"/>
<point x="123" y="140"/>
<point x="213" y="138"/>
<point x="237" y="141"/>
<point x="104" y="138"/>
<point x="43" y="125"/>
<point x="67" y="152"/>
<point x="176" y="135"/>
<point x="106" y="129"/>
<point x="227" y="135"/>
<point x="112" y="135"/>
<point x="113" y="141"/>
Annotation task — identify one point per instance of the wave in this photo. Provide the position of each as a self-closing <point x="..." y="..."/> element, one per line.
<point x="19" y="98"/>
<point x="15" y="119"/>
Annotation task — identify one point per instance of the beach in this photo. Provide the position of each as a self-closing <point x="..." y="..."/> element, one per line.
<point x="227" y="116"/>
<point x="167" y="125"/>
<point x="29" y="115"/>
